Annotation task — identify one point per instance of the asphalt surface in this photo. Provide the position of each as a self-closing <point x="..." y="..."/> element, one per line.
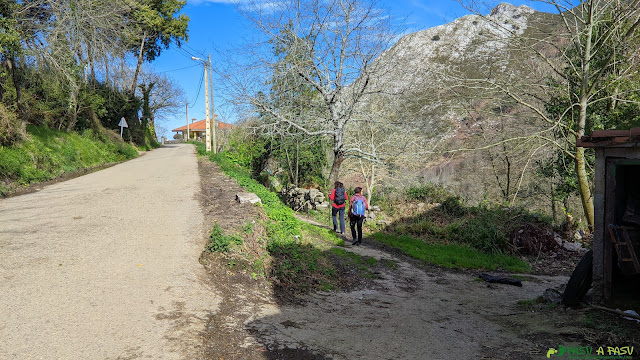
<point x="105" y="266"/>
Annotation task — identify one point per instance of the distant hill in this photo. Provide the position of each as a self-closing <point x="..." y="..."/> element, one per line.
<point x="427" y="71"/>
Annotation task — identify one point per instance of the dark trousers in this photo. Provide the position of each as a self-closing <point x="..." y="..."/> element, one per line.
<point x="353" y="221"/>
<point x="338" y="212"/>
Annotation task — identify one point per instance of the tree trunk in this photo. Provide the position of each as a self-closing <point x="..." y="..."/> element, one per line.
<point x="73" y="108"/>
<point x="96" y="125"/>
<point x="338" y="158"/>
<point x="581" y="167"/>
<point x="580" y="162"/>
<point x="297" y="163"/>
<point x="583" y="187"/>
<point x="132" y="86"/>
<point x="147" y="117"/>
<point x="371" y="183"/>
<point x="17" y="84"/>
<point x="106" y="71"/>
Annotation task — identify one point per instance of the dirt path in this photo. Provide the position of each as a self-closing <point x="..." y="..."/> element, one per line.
<point x="105" y="266"/>
<point x="410" y="313"/>
<point x="407" y="313"/>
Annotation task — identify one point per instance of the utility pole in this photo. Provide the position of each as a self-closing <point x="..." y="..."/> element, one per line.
<point x="206" y="106"/>
<point x="206" y="100"/>
<point x="187" y="107"/>
<point x="213" y="115"/>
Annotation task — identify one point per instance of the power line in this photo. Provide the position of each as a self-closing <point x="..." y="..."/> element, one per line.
<point x="188" y="67"/>
<point x="195" y="51"/>
<point x="180" y="50"/>
<point x="184" y="50"/>
<point x="199" y="88"/>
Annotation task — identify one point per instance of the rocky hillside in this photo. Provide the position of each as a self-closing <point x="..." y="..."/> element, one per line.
<point x="467" y="39"/>
<point x="430" y="74"/>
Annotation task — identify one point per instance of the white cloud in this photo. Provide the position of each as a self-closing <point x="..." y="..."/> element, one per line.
<point x="246" y="5"/>
<point x="200" y="2"/>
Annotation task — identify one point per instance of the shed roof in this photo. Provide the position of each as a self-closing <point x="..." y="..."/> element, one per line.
<point x="611" y="138"/>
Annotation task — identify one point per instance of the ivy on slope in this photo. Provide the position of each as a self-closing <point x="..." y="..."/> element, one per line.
<point x="284" y="226"/>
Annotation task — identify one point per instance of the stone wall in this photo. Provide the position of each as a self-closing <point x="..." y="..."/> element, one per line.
<point x="304" y="199"/>
<point x="313" y="199"/>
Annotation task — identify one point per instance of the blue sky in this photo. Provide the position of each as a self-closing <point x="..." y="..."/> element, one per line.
<point x="216" y="27"/>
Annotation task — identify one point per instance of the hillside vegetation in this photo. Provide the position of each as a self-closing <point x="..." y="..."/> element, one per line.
<point x="65" y="83"/>
<point x="490" y="105"/>
<point x="451" y="234"/>
<point x="47" y="154"/>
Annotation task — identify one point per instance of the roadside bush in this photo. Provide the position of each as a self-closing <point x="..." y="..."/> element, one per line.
<point x="484" y="235"/>
<point x="297" y="265"/>
<point x="284" y="226"/>
<point x="453" y="206"/>
<point x="9" y="127"/>
<point x="486" y="227"/>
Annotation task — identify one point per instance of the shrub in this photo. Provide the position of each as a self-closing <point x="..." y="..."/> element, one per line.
<point x="484" y="235"/>
<point x="219" y="242"/>
<point x="435" y="193"/>
<point x="10" y="132"/>
<point x="453" y="206"/>
<point x="284" y="226"/>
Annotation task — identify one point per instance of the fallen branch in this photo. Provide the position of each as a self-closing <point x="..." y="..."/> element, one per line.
<point x="501" y="280"/>
<point x="618" y="312"/>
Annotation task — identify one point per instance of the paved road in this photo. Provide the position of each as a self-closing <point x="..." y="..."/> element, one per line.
<point x="105" y="266"/>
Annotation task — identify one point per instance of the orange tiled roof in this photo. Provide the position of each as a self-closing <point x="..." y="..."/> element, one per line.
<point x="202" y="126"/>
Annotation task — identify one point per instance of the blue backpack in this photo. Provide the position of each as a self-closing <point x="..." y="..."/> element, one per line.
<point x="358" y="206"/>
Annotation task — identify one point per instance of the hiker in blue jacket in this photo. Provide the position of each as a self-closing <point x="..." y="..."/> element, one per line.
<point x="339" y="200"/>
<point x="357" y="207"/>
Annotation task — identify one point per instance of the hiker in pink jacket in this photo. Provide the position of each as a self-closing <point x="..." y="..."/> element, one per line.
<point x="339" y="199"/>
<point x="357" y="207"/>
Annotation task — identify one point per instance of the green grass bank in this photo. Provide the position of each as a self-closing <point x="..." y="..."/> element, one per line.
<point x="47" y="154"/>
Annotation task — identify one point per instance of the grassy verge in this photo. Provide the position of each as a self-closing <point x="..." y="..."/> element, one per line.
<point x="323" y="217"/>
<point x="452" y="255"/>
<point x="47" y="154"/>
<point x="324" y="238"/>
<point x="296" y="256"/>
<point x="438" y="227"/>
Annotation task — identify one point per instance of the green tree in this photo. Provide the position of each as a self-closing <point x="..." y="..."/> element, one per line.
<point x="158" y="24"/>
<point x="10" y="53"/>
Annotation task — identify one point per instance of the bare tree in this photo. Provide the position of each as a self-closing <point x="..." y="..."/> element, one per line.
<point x="322" y="51"/>
<point x="572" y="67"/>
<point x="386" y="131"/>
<point x="68" y="38"/>
<point x="162" y="96"/>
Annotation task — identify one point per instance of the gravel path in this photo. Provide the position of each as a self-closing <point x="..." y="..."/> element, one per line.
<point x="105" y="266"/>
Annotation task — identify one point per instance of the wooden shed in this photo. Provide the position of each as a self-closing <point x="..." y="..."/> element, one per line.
<point x="616" y="237"/>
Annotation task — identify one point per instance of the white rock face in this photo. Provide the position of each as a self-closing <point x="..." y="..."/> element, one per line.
<point x="470" y="37"/>
<point x="422" y="61"/>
